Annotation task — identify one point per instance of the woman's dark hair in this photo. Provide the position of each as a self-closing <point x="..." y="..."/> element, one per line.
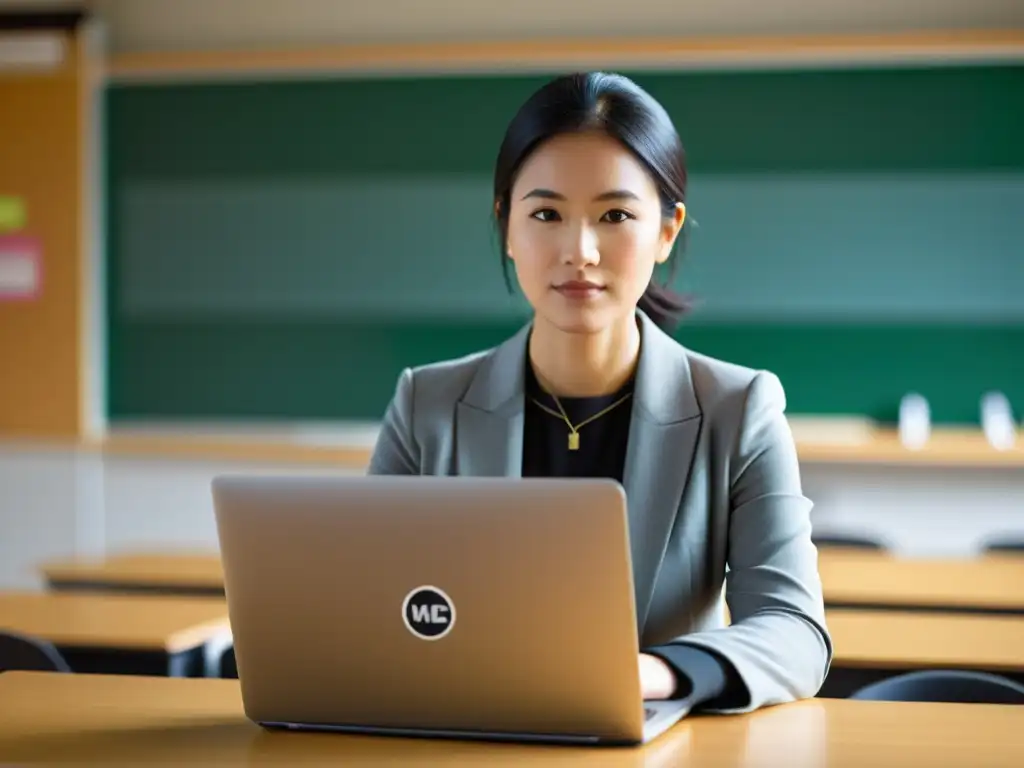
<point x="615" y="105"/>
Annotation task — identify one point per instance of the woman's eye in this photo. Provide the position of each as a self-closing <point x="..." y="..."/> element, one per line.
<point x="545" y="214"/>
<point x="616" y="216"/>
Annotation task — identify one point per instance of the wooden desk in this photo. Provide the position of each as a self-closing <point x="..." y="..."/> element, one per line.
<point x="890" y="639"/>
<point x="350" y="446"/>
<point x="134" y="720"/>
<point x="123" y="633"/>
<point x="867" y="579"/>
<point x="871" y="645"/>
<point x="165" y="573"/>
<point x="948" y="447"/>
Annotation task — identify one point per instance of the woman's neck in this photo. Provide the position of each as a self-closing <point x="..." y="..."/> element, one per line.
<point x="584" y="365"/>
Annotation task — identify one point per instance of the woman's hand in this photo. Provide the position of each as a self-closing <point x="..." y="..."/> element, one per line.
<point x="657" y="679"/>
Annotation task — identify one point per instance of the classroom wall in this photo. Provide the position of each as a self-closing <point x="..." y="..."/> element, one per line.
<point x="57" y="503"/>
<point x="43" y="392"/>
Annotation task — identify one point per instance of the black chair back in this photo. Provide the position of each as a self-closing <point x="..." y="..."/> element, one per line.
<point x="1009" y="545"/>
<point x="29" y="654"/>
<point x="840" y="540"/>
<point x="946" y="686"/>
<point x="228" y="665"/>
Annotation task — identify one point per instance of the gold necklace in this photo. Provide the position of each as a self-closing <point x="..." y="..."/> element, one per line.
<point x="574" y="431"/>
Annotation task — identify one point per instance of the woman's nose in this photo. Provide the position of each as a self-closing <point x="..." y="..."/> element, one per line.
<point x="581" y="248"/>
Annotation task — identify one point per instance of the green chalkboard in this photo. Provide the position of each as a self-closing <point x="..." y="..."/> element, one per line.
<point x="283" y="249"/>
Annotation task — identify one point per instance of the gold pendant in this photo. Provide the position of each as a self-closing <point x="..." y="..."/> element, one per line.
<point x="574" y="441"/>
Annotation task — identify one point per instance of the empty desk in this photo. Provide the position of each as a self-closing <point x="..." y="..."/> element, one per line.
<point x="873" y="580"/>
<point x="165" y="573"/>
<point x="870" y="645"/>
<point x="129" y="634"/>
<point x="140" y="721"/>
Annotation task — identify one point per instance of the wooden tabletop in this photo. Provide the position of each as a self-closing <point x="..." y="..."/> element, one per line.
<point x="169" y="570"/>
<point x="135" y="720"/>
<point x="122" y="622"/>
<point x="947" y="447"/>
<point x="138" y="720"/>
<point x="869" y="578"/>
<point x="912" y="640"/>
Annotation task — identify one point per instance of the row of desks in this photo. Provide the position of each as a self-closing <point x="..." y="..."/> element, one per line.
<point x="124" y="633"/>
<point x="87" y="626"/>
<point x="105" y="624"/>
<point x="849" y="578"/>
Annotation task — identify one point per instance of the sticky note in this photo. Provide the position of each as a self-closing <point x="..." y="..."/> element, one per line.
<point x="12" y="213"/>
<point x="20" y="268"/>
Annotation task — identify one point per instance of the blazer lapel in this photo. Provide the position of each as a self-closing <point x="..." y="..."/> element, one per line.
<point x="489" y="418"/>
<point x="663" y="434"/>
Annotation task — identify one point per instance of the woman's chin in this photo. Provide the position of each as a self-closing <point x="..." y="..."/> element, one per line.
<point x="581" y="320"/>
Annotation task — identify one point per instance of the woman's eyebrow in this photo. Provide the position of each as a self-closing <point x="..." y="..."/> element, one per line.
<point x="617" y="194"/>
<point x="612" y="194"/>
<point x="546" y="194"/>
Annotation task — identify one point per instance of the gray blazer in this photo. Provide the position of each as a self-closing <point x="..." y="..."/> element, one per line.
<point x="713" y="488"/>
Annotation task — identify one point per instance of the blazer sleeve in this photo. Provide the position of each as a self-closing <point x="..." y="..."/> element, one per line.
<point x="777" y="643"/>
<point x="396" y="452"/>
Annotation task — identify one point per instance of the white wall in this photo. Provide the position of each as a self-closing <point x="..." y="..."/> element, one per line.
<point x="61" y="502"/>
<point x="56" y="503"/>
<point x="154" y="502"/>
<point x="39" y="503"/>
<point x="919" y="511"/>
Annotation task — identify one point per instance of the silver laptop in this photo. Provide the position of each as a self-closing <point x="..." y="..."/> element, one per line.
<point x="434" y="606"/>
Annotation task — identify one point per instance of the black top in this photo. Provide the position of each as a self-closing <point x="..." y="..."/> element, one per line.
<point x="704" y="677"/>
<point x="602" y="442"/>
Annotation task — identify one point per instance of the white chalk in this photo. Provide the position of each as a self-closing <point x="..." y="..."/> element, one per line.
<point x="915" y="426"/>
<point x="997" y="421"/>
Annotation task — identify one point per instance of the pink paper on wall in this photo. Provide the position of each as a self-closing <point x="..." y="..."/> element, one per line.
<point x="21" y="268"/>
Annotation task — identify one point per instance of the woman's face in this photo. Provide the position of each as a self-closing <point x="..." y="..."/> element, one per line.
<point x="585" y="231"/>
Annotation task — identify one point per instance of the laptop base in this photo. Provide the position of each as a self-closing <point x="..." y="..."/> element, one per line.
<point x="662" y="715"/>
<point x="435" y="733"/>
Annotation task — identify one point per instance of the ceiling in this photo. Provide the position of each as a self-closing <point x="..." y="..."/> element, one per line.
<point x="154" y="25"/>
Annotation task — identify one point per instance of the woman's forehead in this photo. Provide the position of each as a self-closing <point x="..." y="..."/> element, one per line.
<point x="583" y="164"/>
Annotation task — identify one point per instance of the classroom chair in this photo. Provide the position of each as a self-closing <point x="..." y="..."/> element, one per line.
<point x="29" y="654"/>
<point x="228" y="665"/>
<point x="846" y="541"/>
<point x="944" y="686"/>
<point x="1005" y="545"/>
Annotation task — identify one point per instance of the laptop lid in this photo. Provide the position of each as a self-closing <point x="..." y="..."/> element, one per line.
<point x="453" y="605"/>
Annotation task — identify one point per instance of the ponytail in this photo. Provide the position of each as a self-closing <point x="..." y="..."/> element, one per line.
<point x="665" y="307"/>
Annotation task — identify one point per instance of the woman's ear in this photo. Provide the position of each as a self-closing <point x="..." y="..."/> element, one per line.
<point x="670" y="231"/>
<point x="497" y="215"/>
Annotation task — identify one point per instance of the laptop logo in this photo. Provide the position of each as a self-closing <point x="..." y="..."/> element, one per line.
<point x="428" y="613"/>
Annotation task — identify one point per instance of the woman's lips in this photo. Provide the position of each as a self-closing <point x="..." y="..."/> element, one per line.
<point x="579" y="289"/>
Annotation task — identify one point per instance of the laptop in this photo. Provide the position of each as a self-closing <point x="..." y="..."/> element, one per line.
<point x="490" y="608"/>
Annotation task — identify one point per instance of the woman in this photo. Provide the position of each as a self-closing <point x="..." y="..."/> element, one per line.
<point x="589" y="196"/>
